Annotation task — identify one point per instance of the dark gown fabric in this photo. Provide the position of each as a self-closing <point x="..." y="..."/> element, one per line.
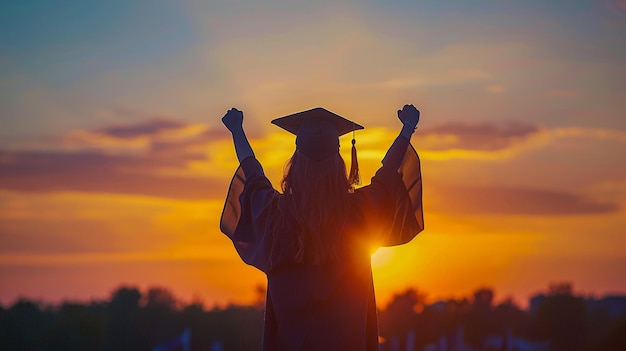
<point x="329" y="306"/>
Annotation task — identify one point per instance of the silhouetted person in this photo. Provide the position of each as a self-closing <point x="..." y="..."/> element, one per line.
<point x="314" y="240"/>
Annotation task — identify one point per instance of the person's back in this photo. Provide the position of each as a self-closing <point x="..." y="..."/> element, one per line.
<point x="314" y="239"/>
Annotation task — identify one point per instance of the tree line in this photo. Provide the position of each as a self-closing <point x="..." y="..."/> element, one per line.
<point x="132" y="320"/>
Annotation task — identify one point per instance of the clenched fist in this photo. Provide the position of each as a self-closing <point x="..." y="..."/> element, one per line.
<point x="409" y="116"/>
<point x="233" y="119"/>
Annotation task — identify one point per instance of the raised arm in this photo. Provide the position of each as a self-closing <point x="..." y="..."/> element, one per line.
<point x="393" y="201"/>
<point x="233" y="120"/>
<point x="409" y="116"/>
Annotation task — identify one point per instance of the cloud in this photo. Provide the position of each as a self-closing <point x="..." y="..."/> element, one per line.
<point x="147" y="158"/>
<point x="513" y="201"/>
<point x="498" y="140"/>
<point x="150" y="135"/>
<point x="173" y="159"/>
<point x="590" y="133"/>
<point x="562" y="93"/>
<point x="496" y="89"/>
<point x="140" y="129"/>
<point x="94" y="172"/>
<point x="485" y="136"/>
<point x="87" y="223"/>
<point x="430" y="79"/>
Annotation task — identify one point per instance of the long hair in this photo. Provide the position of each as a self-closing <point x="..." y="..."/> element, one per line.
<point x="316" y="195"/>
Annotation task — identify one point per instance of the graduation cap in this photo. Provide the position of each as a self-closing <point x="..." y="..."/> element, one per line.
<point x="317" y="135"/>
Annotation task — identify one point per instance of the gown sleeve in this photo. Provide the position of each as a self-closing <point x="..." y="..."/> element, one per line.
<point x="246" y="217"/>
<point x="392" y="203"/>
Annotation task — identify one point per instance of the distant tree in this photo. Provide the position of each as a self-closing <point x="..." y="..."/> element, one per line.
<point x="400" y="314"/>
<point x="509" y="315"/>
<point x="77" y="327"/>
<point x="135" y="321"/>
<point x="3" y="326"/>
<point x="599" y="325"/>
<point x="480" y="321"/>
<point x="483" y="298"/>
<point x="159" y="297"/>
<point x="237" y="327"/>
<point x="197" y="319"/>
<point x="159" y="320"/>
<point x="124" y="323"/>
<point x="125" y="299"/>
<point x="560" y="318"/>
<point x="616" y="340"/>
<point x="561" y="288"/>
<point x="24" y="326"/>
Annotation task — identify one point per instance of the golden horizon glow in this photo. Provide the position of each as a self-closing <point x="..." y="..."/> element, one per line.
<point x="449" y="259"/>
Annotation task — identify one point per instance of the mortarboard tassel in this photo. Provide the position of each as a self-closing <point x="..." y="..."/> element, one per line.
<point x="355" y="176"/>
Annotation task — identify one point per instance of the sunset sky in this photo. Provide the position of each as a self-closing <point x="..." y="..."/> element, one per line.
<point x="114" y="164"/>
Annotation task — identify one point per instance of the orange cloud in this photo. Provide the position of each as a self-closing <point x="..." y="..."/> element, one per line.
<point x="150" y="158"/>
<point x="476" y="136"/>
<point x="152" y="135"/>
<point x="67" y="223"/>
<point x="176" y="160"/>
<point x="513" y="201"/>
<point x="496" y="89"/>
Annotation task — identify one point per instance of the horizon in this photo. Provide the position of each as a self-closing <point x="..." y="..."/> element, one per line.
<point x="498" y="298"/>
<point x="114" y="164"/>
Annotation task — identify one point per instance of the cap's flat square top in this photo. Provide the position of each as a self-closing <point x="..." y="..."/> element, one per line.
<point x="292" y="123"/>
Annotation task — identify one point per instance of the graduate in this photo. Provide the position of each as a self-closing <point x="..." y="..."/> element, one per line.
<point x="314" y="238"/>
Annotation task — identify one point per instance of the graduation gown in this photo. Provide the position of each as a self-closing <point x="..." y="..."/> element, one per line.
<point x="329" y="306"/>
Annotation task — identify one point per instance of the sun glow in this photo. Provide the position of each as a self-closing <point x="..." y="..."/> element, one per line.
<point x="382" y="257"/>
